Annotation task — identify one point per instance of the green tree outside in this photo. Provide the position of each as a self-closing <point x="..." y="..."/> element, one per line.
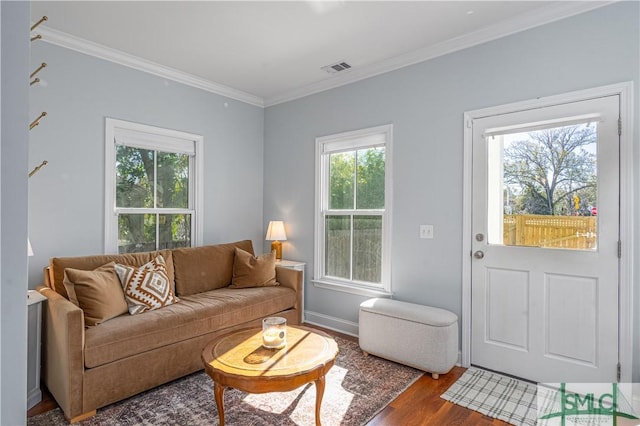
<point x="136" y="183"/>
<point x="356" y="178"/>
<point x="552" y="171"/>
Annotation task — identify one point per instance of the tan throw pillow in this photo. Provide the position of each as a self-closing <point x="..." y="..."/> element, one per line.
<point x="146" y="287"/>
<point x="204" y="268"/>
<point x="98" y="293"/>
<point x="252" y="271"/>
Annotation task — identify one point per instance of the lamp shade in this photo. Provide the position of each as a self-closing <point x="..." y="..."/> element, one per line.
<point x="276" y="231"/>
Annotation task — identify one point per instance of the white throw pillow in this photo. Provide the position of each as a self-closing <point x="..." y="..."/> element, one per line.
<point x="146" y="287"/>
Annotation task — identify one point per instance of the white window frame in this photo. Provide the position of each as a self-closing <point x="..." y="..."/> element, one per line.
<point x="349" y="141"/>
<point x="153" y="138"/>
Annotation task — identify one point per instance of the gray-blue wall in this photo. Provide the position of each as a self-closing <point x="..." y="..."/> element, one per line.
<point x="425" y="103"/>
<point x="260" y="163"/>
<point x="67" y="200"/>
<point x="13" y="210"/>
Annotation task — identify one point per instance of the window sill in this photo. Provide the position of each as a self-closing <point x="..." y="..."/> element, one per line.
<point x="345" y="288"/>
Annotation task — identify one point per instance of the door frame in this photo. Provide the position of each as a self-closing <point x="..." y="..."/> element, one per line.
<point x="625" y="295"/>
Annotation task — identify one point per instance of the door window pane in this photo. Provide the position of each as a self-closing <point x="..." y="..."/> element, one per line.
<point x="367" y="248"/>
<point x="338" y="246"/>
<point x="543" y="188"/>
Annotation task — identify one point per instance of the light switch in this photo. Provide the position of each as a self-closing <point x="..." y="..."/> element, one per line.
<point x="426" y="231"/>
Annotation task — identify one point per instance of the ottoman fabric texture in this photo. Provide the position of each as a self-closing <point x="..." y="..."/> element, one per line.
<point x="420" y="336"/>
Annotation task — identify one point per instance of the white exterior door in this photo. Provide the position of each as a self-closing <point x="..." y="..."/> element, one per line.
<point x="545" y="232"/>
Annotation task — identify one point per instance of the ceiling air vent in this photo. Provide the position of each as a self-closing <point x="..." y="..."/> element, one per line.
<point x="337" y="67"/>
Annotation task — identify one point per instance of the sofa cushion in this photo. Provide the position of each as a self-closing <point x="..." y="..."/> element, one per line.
<point x="146" y="287"/>
<point x="57" y="265"/>
<point x="200" y="269"/>
<point x="195" y="315"/>
<point x="252" y="271"/>
<point x="98" y="293"/>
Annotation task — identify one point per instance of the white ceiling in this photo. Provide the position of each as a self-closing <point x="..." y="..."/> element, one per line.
<point x="268" y="52"/>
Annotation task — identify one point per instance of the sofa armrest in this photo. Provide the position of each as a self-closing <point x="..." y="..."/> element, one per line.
<point x="293" y="279"/>
<point x="63" y="351"/>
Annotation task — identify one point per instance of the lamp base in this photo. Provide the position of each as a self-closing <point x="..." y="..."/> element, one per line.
<point x="277" y="247"/>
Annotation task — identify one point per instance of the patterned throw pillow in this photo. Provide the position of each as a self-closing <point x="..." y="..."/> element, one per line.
<point x="146" y="287"/>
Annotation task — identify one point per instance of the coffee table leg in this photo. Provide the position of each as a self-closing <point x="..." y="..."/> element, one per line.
<point x="319" y="394"/>
<point x="218" y="392"/>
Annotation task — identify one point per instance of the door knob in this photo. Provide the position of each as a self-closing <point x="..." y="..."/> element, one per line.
<point x="479" y="254"/>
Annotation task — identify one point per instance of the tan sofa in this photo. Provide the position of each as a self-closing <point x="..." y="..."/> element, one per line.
<point x="89" y="368"/>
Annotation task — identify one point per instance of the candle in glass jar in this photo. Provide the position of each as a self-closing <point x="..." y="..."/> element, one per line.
<point x="274" y="332"/>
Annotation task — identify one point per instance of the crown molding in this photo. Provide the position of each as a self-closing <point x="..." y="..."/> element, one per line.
<point x="87" y="47"/>
<point x="542" y="16"/>
<point x="545" y="15"/>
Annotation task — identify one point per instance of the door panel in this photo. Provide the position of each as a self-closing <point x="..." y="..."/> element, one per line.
<point x="508" y="323"/>
<point x="572" y="327"/>
<point x="544" y="291"/>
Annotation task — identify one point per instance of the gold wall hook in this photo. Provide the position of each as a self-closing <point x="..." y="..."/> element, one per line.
<point x="35" y="122"/>
<point x="37" y="70"/>
<point x="37" y="168"/>
<point x="44" y="18"/>
<point x="38" y="37"/>
<point x="35" y="80"/>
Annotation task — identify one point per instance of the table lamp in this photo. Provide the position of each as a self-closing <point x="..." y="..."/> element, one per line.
<point x="276" y="233"/>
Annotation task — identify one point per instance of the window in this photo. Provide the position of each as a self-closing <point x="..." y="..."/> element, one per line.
<point x="153" y="188"/>
<point x="353" y="211"/>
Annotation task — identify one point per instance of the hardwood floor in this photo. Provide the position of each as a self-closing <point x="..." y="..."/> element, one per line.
<point x="419" y="405"/>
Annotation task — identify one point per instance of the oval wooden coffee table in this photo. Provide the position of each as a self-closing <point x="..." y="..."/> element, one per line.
<point x="238" y="360"/>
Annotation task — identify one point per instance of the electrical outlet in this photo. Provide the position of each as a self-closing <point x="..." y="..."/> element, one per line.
<point x="426" y="231"/>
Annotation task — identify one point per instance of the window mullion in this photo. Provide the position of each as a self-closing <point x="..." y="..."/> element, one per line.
<point x="155" y="197"/>
<point x="352" y="216"/>
<point x="355" y="181"/>
<point x="351" y="250"/>
<point x="191" y="194"/>
<point x="155" y="179"/>
<point x="191" y="190"/>
<point x="135" y="210"/>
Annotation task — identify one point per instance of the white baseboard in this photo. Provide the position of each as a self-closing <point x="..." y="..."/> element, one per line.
<point x="332" y="323"/>
<point x="34" y="396"/>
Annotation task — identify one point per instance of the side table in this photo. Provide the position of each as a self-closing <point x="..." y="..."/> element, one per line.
<point x="298" y="266"/>
<point x="34" y="318"/>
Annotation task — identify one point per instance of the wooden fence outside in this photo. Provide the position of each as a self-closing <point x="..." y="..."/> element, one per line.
<point x="571" y="232"/>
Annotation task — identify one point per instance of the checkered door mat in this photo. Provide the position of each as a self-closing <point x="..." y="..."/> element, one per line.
<point x="496" y="396"/>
